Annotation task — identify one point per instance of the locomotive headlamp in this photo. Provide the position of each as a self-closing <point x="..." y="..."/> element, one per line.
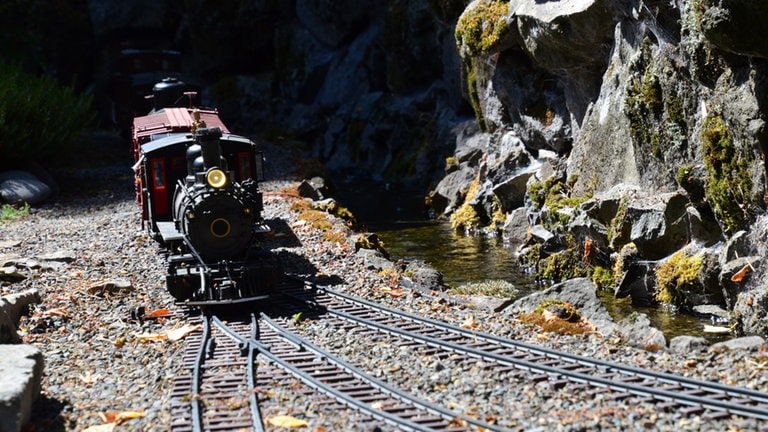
<point x="216" y="178"/>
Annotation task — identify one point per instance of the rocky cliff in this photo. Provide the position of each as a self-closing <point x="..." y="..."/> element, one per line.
<point x="622" y="140"/>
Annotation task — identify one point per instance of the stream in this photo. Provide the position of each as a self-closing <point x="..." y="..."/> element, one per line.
<point x="399" y="219"/>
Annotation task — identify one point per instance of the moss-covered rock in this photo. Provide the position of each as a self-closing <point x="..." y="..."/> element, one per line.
<point x="729" y="184"/>
<point x="678" y="274"/>
<point x="482" y="27"/>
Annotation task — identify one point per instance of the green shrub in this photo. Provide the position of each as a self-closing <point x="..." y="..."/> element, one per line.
<point x="39" y="119"/>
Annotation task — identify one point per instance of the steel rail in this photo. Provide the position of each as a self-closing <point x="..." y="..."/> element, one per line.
<point x="360" y="375"/>
<point x="197" y="411"/>
<point x="657" y="393"/>
<point x="249" y="349"/>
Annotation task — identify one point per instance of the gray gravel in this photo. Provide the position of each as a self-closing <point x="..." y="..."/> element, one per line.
<point x="99" y="361"/>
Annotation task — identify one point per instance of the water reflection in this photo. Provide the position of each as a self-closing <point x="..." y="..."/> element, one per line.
<point x="460" y="258"/>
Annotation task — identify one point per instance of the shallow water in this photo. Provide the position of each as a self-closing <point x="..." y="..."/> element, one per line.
<point x="399" y="219"/>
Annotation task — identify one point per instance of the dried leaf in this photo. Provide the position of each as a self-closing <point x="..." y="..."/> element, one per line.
<point x="59" y="312"/>
<point x="287" y="421"/>
<point x="89" y="378"/>
<point x="128" y="415"/>
<point x="739" y="275"/>
<point x="159" y="313"/>
<point x="119" y="417"/>
<point x="394" y="292"/>
<point x="470" y="323"/>
<point x="182" y="332"/>
<point x="152" y="337"/>
<point x="107" y="427"/>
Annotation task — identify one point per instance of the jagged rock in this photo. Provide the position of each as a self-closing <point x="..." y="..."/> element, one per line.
<point x="66" y="256"/>
<point x="703" y="225"/>
<point x="373" y="242"/>
<point x="750" y="312"/>
<point x="516" y="226"/>
<point x="11" y="308"/>
<point x="580" y="292"/>
<point x="737" y="245"/>
<point x="656" y="225"/>
<point x="637" y="330"/>
<point x="638" y="282"/>
<point x="714" y="313"/>
<point x="374" y="259"/>
<point x="735" y="26"/>
<point x="306" y="190"/>
<point x="424" y="277"/>
<point x="20" y="384"/>
<point x="451" y="190"/>
<point x="736" y="274"/>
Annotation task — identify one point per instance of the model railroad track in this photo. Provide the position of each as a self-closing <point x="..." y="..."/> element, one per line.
<point x="220" y="392"/>
<point x="686" y="396"/>
<point x="217" y="392"/>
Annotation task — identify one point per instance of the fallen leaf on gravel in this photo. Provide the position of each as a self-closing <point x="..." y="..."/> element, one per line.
<point x="107" y="427"/>
<point x="396" y="292"/>
<point x="470" y="323"/>
<point x="119" y="417"/>
<point x="172" y="335"/>
<point x="152" y="337"/>
<point x="182" y="332"/>
<point x="59" y="312"/>
<point x="159" y="313"/>
<point x="89" y="378"/>
<point x="287" y="421"/>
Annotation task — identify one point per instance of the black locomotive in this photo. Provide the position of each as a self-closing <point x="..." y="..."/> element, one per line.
<point x="198" y="189"/>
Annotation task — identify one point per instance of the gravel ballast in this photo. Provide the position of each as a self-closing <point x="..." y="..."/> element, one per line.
<point x="104" y="367"/>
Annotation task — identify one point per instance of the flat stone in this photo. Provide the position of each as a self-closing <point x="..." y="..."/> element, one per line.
<point x="745" y="343"/>
<point x="21" y="372"/>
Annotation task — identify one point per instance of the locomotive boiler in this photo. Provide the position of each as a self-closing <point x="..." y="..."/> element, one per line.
<point x="197" y="186"/>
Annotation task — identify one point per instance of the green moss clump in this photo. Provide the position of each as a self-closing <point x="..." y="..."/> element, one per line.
<point x="554" y="194"/>
<point x="679" y="273"/>
<point x="482" y="26"/>
<point x="490" y="288"/>
<point x="602" y="277"/>
<point x="451" y="162"/>
<point x="466" y="217"/>
<point x="618" y="229"/>
<point x="728" y="181"/>
<point x="564" y="265"/>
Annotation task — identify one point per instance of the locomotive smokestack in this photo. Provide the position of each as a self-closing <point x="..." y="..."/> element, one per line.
<point x="208" y="138"/>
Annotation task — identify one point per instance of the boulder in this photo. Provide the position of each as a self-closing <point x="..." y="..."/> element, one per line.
<point x="686" y="345"/>
<point x="636" y="330"/>
<point x="23" y="187"/>
<point x="579" y="292"/>
<point x="21" y="374"/>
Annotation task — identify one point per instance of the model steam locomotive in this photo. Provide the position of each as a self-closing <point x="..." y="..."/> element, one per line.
<point x="197" y="186"/>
